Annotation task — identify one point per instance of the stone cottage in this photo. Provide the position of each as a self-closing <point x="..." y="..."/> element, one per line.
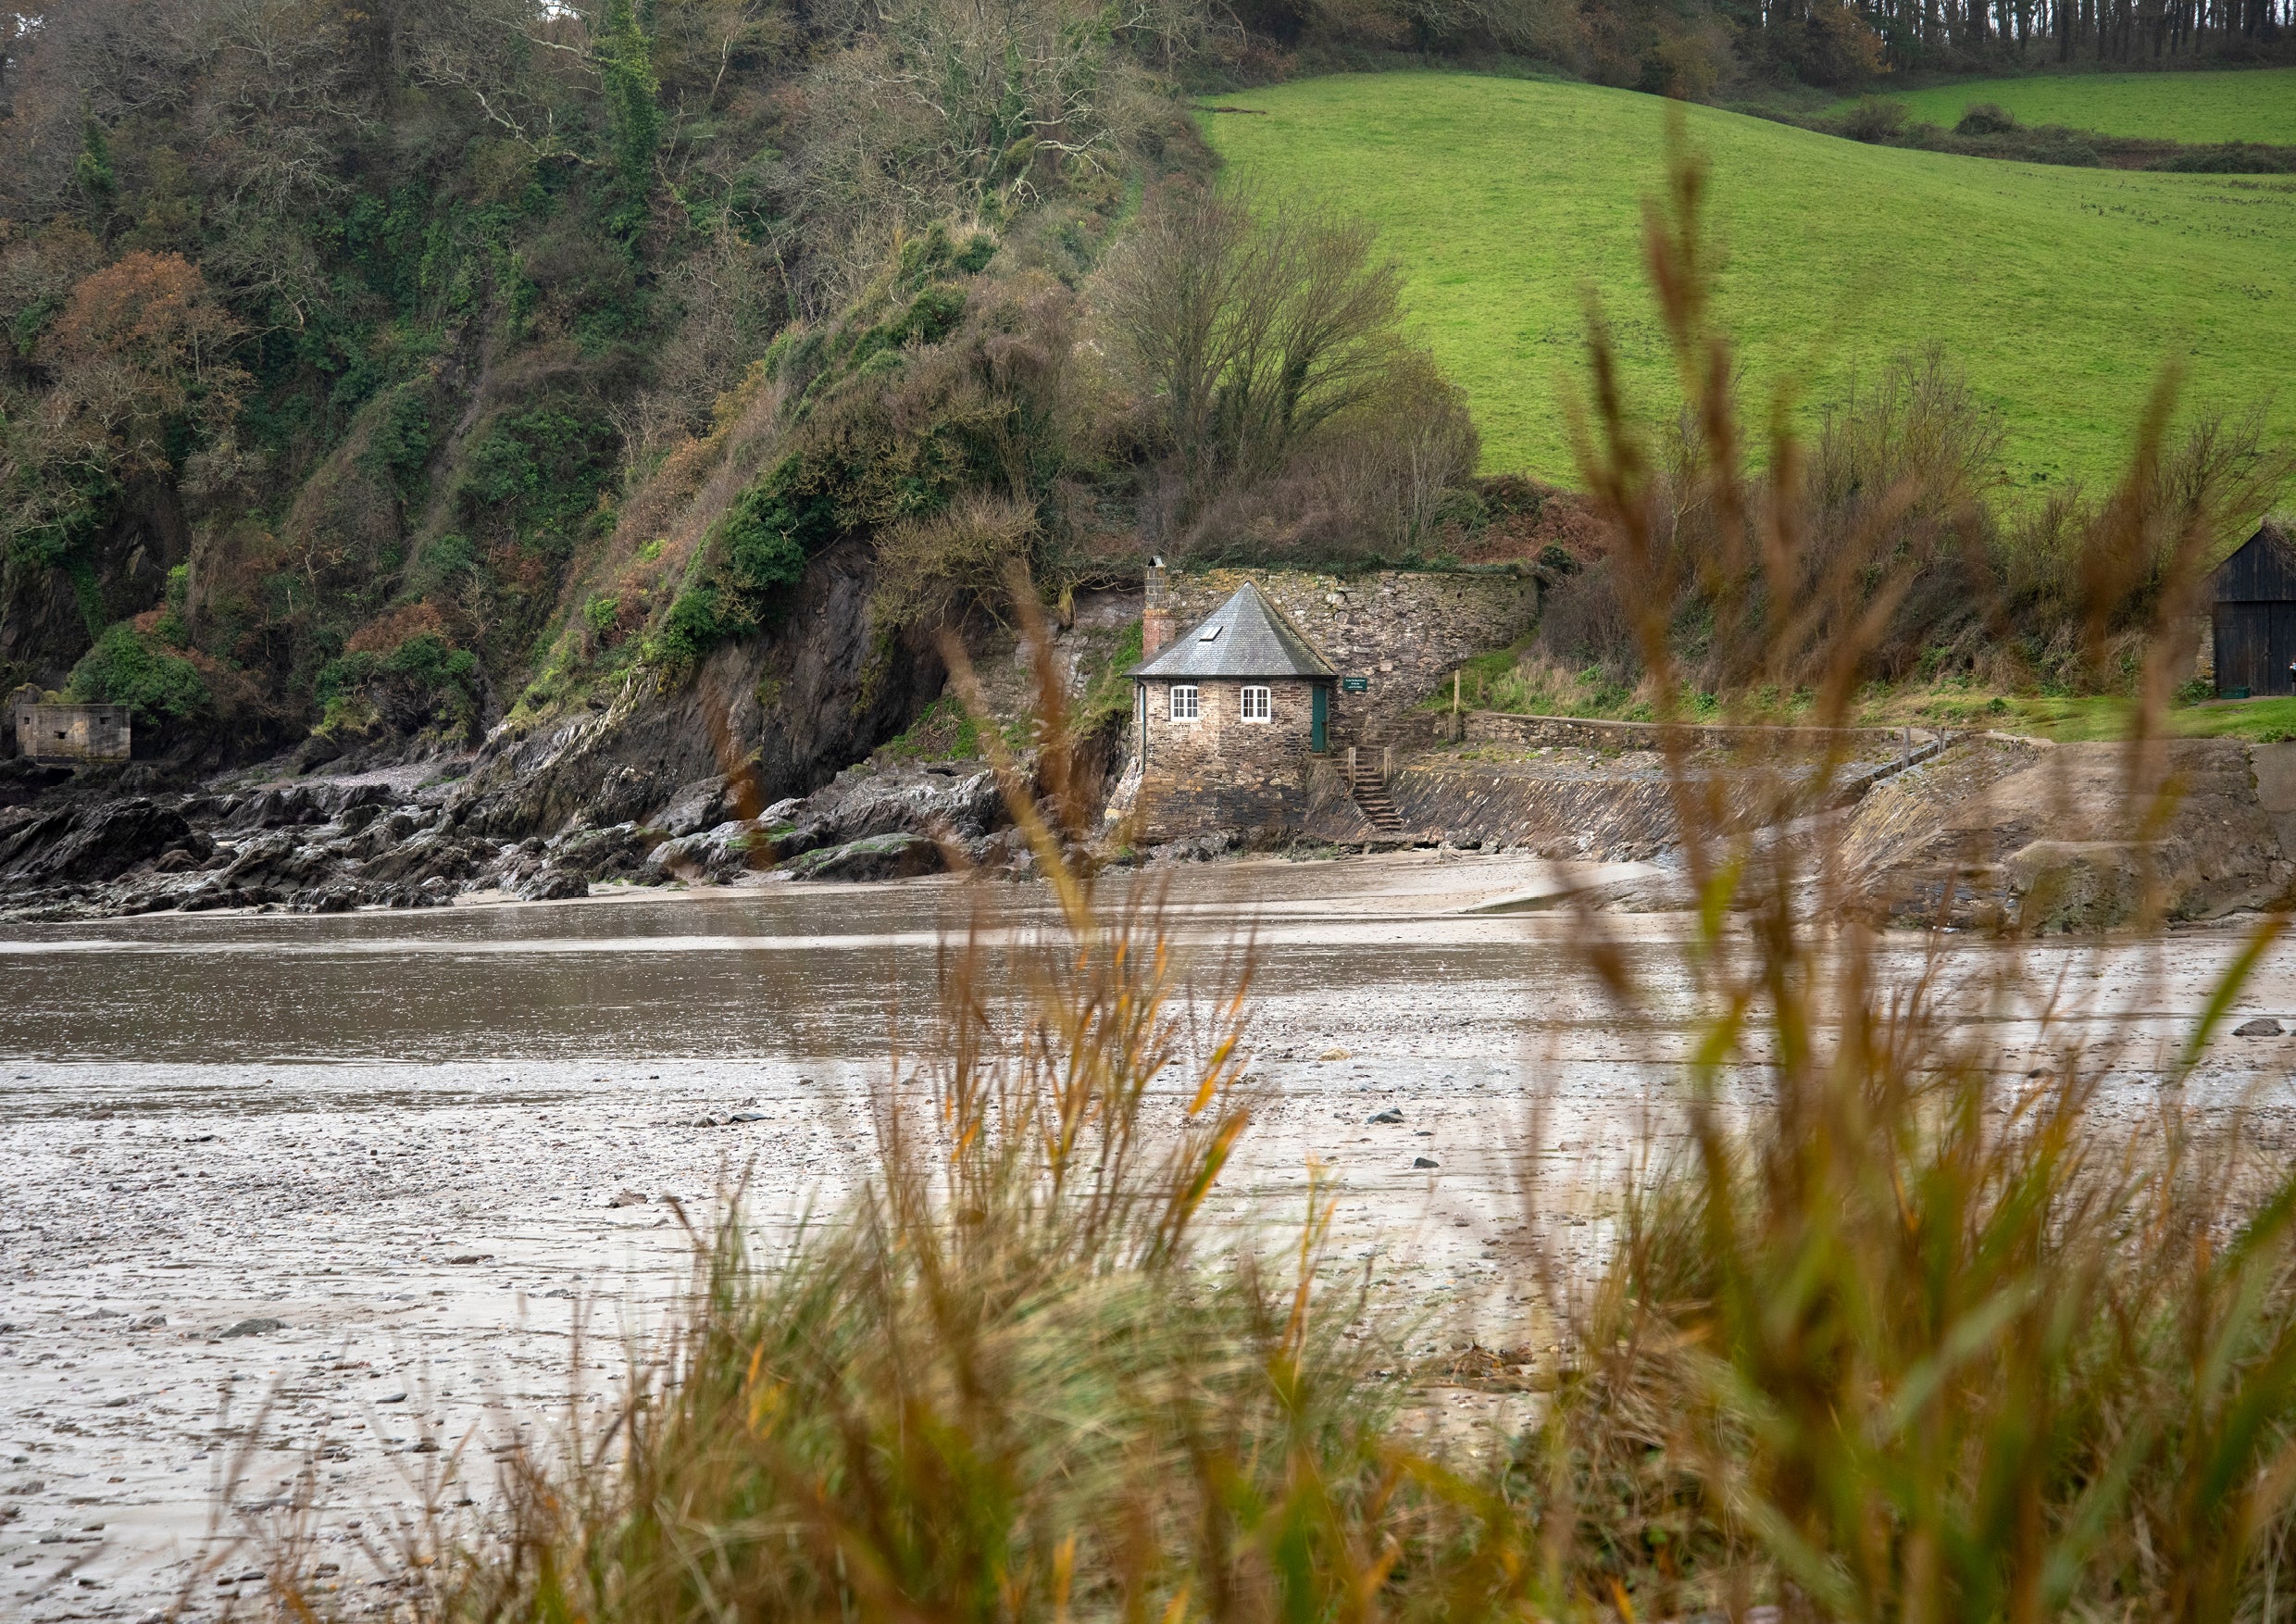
<point x="1226" y="719"/>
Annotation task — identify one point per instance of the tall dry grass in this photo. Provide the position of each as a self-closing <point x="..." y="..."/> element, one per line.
<point x="1898" y="1324"/>
<point x="1905" y="1327"/>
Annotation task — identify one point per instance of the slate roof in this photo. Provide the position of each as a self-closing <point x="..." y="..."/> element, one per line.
<point x="1246" y="636"/>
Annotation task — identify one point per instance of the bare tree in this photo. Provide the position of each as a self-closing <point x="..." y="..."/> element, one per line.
<point x="935" y="108"/>
<point x="1250" y="324"/>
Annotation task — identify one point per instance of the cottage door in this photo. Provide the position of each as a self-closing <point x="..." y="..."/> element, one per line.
<point x="1319" y="713"/>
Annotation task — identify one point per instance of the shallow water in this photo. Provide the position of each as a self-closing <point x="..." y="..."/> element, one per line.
<point x="782" y="971"/>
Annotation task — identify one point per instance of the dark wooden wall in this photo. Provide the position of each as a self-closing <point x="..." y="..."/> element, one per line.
<point x="2262" y="572"/>
<point x="2255" y="643"/>
<point x="2255" y="615"/>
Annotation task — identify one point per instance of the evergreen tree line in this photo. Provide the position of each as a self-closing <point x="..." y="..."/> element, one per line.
<point x="1923" y="33"/>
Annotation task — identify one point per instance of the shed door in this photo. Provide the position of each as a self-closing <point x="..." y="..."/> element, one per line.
<point x="2280" y="644"/>
<point x="1318" y="714"/>
<point x="2247" y="647"/>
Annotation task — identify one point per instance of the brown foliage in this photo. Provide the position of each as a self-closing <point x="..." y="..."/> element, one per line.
<point x="139" y="343"/>
<point x="1261" y="339"/>
<point x="388" y="630"/>
<point x="928" y="568"/>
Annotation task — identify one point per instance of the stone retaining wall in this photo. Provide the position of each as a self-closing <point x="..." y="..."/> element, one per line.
<point x="1404" y="631"/>
<point x="1609" y="818"/>
<point x="1498" y="727"/>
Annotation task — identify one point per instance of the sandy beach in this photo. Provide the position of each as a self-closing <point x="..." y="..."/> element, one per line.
<point x="340" y="1194"/>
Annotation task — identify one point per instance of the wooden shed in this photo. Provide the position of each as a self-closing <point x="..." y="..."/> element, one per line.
<point x="2253" y="617"/>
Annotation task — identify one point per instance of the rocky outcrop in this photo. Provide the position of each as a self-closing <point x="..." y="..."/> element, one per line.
<point x="875" y="856"/>
<point x="942" y="802"/>
<point x="769" y="717"/>
<point x="326" y="847"/>
<point x="2033" y="837"/>
<point x="722" y="855"/>
<point x="68" y="845"/>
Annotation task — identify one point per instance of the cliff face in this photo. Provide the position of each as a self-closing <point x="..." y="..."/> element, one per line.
<point x="46" y="611"/>
<point x="776" y="715"/>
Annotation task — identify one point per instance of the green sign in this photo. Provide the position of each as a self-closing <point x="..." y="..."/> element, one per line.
<point x="1354" y="684"/>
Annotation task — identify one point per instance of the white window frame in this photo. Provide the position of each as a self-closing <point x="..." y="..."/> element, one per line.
<point x="1185" y="702"/>
<point x="1259" y="704"/>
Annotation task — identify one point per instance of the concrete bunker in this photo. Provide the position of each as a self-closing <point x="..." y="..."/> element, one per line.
<point x="70" y="734"/>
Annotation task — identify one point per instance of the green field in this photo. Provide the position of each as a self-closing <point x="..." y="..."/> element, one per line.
<point x="2102" y="716"/>
<point x="2061" y="289"/>
<point x="2246" y="105"/>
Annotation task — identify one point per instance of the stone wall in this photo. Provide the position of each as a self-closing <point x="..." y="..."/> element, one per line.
<point x="1623" y="818"/>
<point x="1404" y="631"/>
<point x="1499" y="727"/>
<point x="1220" y="771"/>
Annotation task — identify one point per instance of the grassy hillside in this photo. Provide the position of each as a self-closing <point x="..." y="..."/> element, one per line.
<point x="2061" y="289"/>
<point x="2253" y="105"/>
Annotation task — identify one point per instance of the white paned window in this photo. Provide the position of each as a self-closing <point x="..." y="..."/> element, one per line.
<point x="1183" y="702"/>
<point x="1255" y="705"/>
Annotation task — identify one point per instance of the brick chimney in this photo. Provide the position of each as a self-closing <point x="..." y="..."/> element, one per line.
<point x="1155" y="614"/>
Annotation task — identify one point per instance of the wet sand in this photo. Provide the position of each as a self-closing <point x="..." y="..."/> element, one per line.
<point x="397" y="1136"/>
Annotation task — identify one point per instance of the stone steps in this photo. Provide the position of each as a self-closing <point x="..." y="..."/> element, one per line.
<point x="1369" y="793"/>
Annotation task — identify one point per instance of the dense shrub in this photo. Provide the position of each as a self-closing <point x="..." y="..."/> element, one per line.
<point x="1902" y="524"/>
<point x="694" y="625"/>
<point x="1878" y="120"/>
<point x="776" y="523"/>
<point x="135" y="669"/>
<point x="399" y="446"/>
<point x="407" y="683"/>
<point x="2235" y="157"/>
<point x="1985" y="119"/>
<point x="537" y="469"/>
